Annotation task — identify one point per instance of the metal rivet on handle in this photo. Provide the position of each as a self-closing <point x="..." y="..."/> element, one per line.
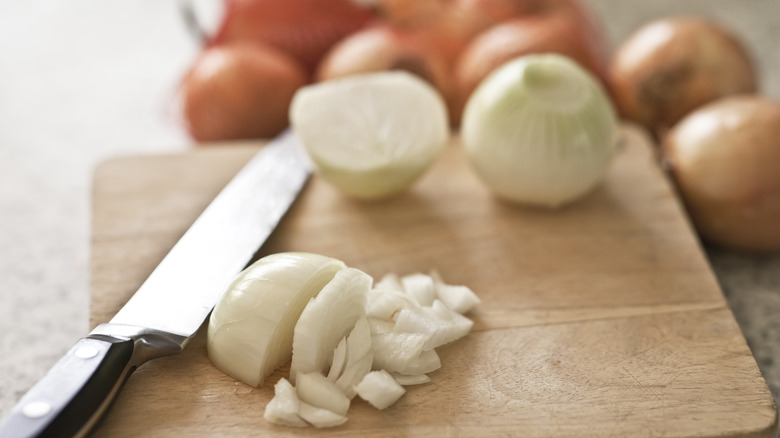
<point x="36" y="409"/>
<point x="86" y="352"/>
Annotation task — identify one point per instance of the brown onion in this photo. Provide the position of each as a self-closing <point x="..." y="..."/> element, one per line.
<point x="671" y="66"/>
<point x="240" y="91"/>
<point x="725" y="160"/>
<point x="305" y="29"/>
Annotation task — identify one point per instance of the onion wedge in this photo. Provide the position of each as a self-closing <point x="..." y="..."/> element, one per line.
<point x="250" y="331"/>
<point x="326" y="319"/>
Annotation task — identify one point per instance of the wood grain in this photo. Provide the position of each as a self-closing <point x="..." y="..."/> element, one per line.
<point x="599" y="319"/>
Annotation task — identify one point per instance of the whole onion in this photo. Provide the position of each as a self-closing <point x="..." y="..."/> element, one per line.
<point x="540" y="130"/>
<point x="671" y="66"/>
<point x="305" y="29"/>
<point x="725" y="160"/>
<point x="240" y="91"/>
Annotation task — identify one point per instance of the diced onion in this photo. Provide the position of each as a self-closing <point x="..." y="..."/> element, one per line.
<point x="319" y="417"/>
<point x="346" y="338"/>
<point x="380" y="389"/>
<point x="315" y="389"/>
<point x="408" y="380"/>
<point x="283" y="408"/>
<point x="317" y="332"/>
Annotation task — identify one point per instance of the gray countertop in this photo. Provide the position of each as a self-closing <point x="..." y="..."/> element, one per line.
<point x="85" y="80"/>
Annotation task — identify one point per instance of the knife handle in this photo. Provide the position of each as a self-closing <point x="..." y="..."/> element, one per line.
<point x="74" y="395"/>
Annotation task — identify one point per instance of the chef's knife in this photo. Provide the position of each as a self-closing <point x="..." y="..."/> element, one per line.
<point x="171" y="305"/>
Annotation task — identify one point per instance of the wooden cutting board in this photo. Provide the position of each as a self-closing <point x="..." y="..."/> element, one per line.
<point x="599" y="319"/>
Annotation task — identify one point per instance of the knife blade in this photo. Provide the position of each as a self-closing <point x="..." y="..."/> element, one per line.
<point x="167" y="310"/>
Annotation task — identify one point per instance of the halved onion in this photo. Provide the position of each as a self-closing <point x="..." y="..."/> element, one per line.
<point x="371" y="135"/>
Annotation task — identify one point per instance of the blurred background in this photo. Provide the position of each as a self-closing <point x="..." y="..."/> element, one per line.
<point x="82" y="81"/>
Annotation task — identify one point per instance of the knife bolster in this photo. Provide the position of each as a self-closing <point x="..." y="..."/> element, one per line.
<point x="148" y="344"/>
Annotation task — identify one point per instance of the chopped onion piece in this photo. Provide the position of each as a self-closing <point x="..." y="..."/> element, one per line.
<point x="426" y="321"/>
<point x="318" y="332"/>
<point x="414" y="379"/>
<point x="320" y="417"/>
<point x="389" y="281"/>
<point x="380" y="326"/>
<point x="283" y="408"/>
<point x="457" y="297"/>
<point x="360" y="357"/>
<point x="383" y="303"/>
<point x="396" y="351"/>
<point x="420" y="287"/>
<point x="315" y="389"/>
<point x="428" y="361"/>
<point x="380" y="389"/>
<point x="339" y="360"/>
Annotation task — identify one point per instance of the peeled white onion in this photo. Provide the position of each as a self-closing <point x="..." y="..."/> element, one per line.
<point x="371" y="135"/>
<point x="540" y="130"/>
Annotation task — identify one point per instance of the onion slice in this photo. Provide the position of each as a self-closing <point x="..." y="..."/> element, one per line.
<point x="315" y="389"/>
<point x="317" y="332"/>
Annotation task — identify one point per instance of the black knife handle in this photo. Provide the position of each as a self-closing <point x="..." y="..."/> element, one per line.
<point x="74" y="395"/>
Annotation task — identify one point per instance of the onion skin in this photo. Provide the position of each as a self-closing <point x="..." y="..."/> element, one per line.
<point x="671" y="66"/>
<point x="725" y="160"/>
<point x="454" y="20"/>
<point x="305" y="29"/>
<point x="240" y="92"/>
